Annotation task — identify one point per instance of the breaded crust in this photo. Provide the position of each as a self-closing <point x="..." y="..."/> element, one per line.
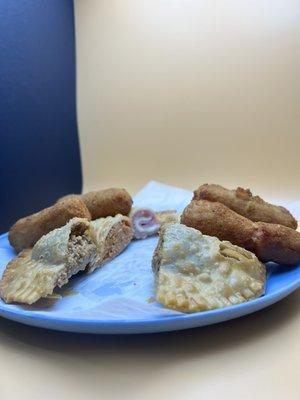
<point x="27" y="231"/>
<point x="244" y="203"/>
<point x="104" y="203"/>
<point x="276" y="243"/>
<point x="270" y="242"/>
<point x="108" y="202"/>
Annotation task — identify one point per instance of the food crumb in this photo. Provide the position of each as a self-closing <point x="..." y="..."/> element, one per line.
<point x="66" y="292"/>
<point x="151" y="300"/>
<point x="70" y="292"/>
<point x="53" y="296"/>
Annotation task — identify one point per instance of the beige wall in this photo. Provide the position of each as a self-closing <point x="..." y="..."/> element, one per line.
<point x="189" y="91"/>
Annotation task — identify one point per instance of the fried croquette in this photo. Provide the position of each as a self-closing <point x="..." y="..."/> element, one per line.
<point x="270" y="242"/>
<point x="244" y="203"/>
<point x="27" y="231"/>
<point x="104" y="203"/>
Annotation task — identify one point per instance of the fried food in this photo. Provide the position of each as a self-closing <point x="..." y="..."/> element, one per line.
<point x="244" y="203"/>
<point x="168" y="216"/>
<point x="113" y="234"/>
<point x="270" y="242"/>
<point x="195" y="272"/>
<point x="27" y="231"/>
<point x="144" y="223"/>
<point x="104" y="203"/>
<point x="79" y="245"/>
<point x="147" y="222"/>
<point x="108" y="202"/>
<point x="53" y="260"/>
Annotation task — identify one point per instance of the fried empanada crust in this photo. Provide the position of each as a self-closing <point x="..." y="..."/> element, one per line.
<point x="80" y="245"/>
<point x="36" y="272"/>
<point x="112" y="235"/>
<point x="195" y="272"/>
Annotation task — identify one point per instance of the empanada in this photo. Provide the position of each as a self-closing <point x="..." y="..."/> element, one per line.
<point x="53" y="260"/>
<point x="79" y="245"/>
<point x="112" y="234"/>
<point x="195" y="272"/>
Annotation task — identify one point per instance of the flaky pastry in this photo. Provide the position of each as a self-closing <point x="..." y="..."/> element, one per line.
<point x="195" y="272"/>
<point x="113" y="234"/>
<point x="79" y="245"/>
<point x="53" y="260"/>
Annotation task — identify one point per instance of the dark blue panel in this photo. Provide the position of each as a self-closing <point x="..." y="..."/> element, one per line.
<point x="39" y="151"/>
